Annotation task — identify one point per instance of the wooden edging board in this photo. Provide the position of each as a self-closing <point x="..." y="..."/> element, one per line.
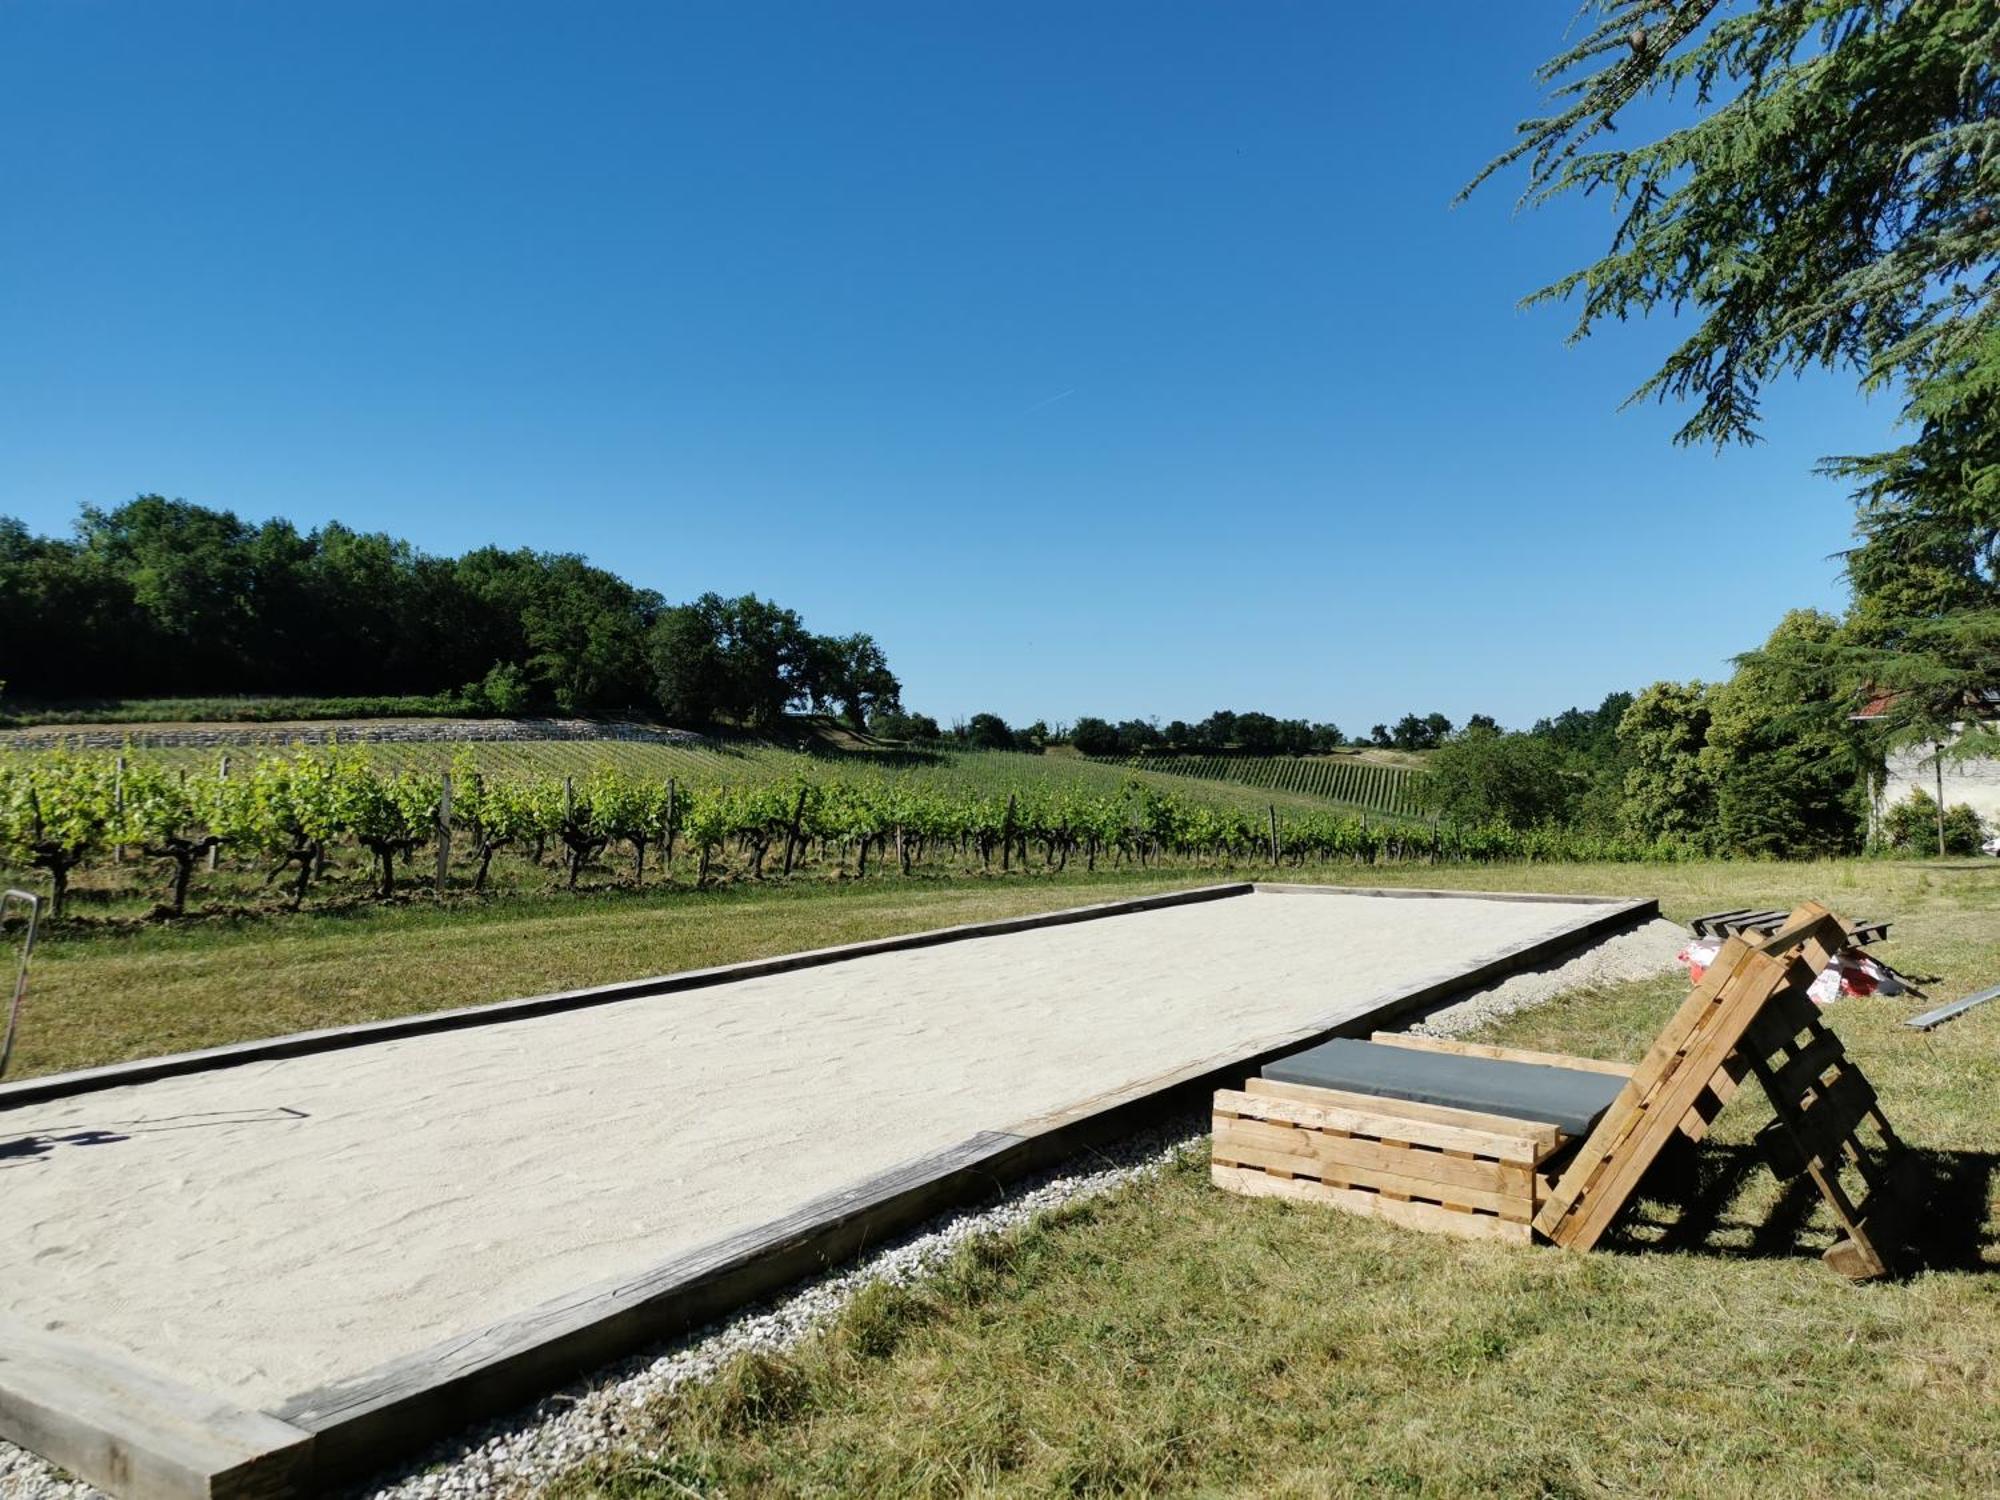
<point x="113" y="1427"/>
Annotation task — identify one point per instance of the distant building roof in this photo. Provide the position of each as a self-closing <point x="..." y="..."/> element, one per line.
<point x="1982" y="703"/>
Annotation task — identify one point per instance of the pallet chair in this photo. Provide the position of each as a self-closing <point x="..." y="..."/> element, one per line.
<point x="1410" y="1152"/>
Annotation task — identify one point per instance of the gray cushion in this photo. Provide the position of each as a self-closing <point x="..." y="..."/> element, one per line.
<point x="1570" y="1098"/>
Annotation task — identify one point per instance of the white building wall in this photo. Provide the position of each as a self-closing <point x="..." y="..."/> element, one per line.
<point x="1973" y="782"/>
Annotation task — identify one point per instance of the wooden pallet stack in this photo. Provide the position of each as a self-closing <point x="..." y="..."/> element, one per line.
<point x="1451" y="1171"/>
<point x="1488" y="1176"/>
<point x="1748" y="922"/>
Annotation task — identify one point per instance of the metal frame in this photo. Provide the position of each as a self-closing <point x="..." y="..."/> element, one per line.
<point x="34" y="905"/>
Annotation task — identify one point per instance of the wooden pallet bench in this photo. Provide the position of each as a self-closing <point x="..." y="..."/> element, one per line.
<point x="1427" y="1166"/>
<point x="1450" y="1170"/>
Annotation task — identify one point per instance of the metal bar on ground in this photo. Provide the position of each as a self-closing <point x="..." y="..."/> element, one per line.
<point x="1943" y="1013"/>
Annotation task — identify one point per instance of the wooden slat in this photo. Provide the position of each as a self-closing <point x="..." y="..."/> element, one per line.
<point x="1377" y="1123"/>
<point x="1457" y="1048"/>
<point x="1617" y="1122"/>
<point x="1541" y="1134"/>
<point x="1714" y="1099"/>
<point x="1676" y="1092"/>
<point x="1801" y="1072"/>
<point x="1360" y="1151"/>
<point x="1834" y="1114"/>
<point x="1426" y="1216"/>
<point x="1232" y="1149"/>
<point x="1713" y="925"/>
<point x="1628" y="1113"/>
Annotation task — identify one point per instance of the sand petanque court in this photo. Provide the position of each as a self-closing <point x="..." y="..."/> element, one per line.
<point x="354" y="1242"/>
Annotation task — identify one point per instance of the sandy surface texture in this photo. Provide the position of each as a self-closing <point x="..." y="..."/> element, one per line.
<point x="263" y="1229"/>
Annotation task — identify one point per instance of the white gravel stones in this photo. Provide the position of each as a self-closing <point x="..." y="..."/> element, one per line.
<point x="517" y="1454"/>
<point x="1642" y="953"/>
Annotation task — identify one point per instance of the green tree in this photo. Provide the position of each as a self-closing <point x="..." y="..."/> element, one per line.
<point x="1482" y="777"/>
<point x="853" y="672"/>
<point x="894" y="724"/>
<point x="1094" y="737"/>
<point x="1790" y="771"/>
<point x="1937" y="685"/>
<point x="1669" y="792"/>
<point x="743" y="661"/>
<point x="1911" y="824"/>
<point x="988" y="732"/>
<point x="1257" y="734"/>
<point x="189" y="572"/>
<point x="1821" y="194"/>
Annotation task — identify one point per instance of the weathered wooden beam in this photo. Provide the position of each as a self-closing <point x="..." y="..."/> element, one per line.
<point x="138" y="1434"/>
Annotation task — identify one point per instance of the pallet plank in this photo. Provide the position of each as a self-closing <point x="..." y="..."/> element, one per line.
<point x="1233" y="1149"/>
<point x="1452" y="1045"/>
<point x="1425" y="1216"/>
<point x="1546" y="1136"/>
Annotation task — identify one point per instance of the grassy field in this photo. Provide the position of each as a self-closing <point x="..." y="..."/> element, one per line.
<point x="1173" y="1339"/>
<point x="16" y="712"/>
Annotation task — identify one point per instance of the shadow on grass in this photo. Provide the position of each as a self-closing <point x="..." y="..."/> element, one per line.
<point x="1711" y="1200"/>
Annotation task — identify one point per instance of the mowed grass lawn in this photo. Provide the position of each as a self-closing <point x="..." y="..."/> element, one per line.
<point x="1174" y="1339"/>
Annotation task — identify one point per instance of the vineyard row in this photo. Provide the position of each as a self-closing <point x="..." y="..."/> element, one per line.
<point x="290" y="816"/>
<point x="1394" y="791"/>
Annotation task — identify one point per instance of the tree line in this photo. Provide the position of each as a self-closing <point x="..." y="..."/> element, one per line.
<point x="161" y="598"/>
<point x="1775" y="761"/>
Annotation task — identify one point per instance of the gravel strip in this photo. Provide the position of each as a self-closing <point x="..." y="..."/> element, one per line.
<point x="1642" y="953"/>
<point x="516" y="1454"/>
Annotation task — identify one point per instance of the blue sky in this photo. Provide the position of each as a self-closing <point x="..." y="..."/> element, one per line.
<point x="1105" y="358"/>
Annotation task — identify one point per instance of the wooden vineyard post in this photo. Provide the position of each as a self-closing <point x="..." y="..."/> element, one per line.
<point x="673" y="812"/>
<point x="569" y="819"/>
<point x="443" y="835"/>
<point x="221" y="774"/>
<point x="792" y="831"/>
<point x="1007" y="835"/>
<point x="118" y="807"/>
<point x="1273" y="807"/>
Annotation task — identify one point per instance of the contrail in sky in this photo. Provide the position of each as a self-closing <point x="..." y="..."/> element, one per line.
<point x="1049" y="401"/>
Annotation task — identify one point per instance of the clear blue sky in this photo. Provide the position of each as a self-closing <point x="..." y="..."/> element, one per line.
<point x="1099" y="358"/>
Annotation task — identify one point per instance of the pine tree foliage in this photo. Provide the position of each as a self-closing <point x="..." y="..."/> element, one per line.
<point x="1827" y="199"/>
